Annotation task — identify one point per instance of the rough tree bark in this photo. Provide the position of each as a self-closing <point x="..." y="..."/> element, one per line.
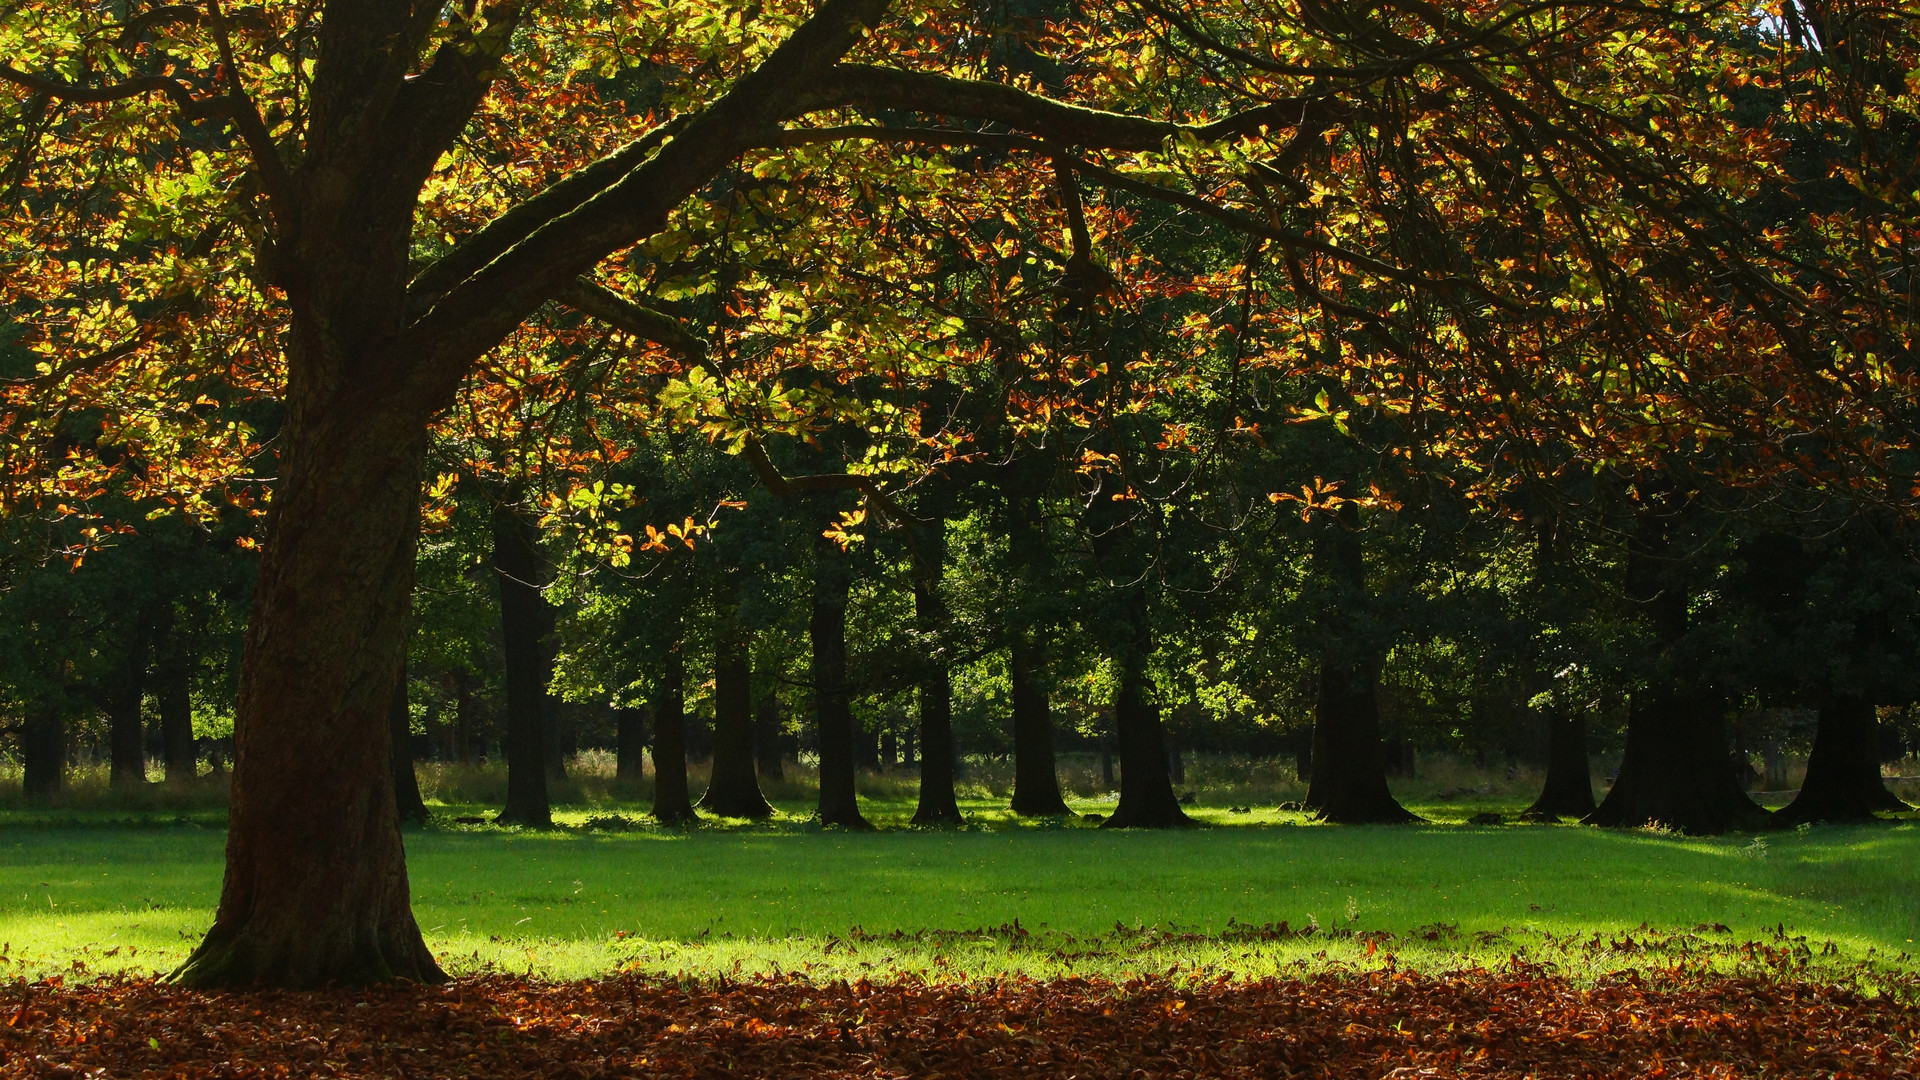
<point x="125" y="737"/>
<point x="630" y="738"/>
<point x="525" y="622"/>
<point x="1674" y="771"/>
<point x="1843" y="781"/>
<point x="406" y="784"/>
<point x="671" y="803"/>
<point x="1349" y="783"/>
<point x="1568" y="791"/>
<point x="832" y="689"/>
<point x="937" y="804"/>
<point x="734" y="789"/>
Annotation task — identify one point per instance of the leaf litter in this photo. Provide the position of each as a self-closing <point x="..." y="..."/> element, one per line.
<point x="1518" y="1020"/>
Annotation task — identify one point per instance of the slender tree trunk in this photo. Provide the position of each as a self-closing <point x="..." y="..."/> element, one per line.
<point x="1843" y="780"/>
<point x="463" y="717"/>
<point x="937" y="805"/>
<point x="832" y="694"/>
<point x="1146" y="792"/>
<point x="1349" y="784"/>
<point x="173" y="701"/>
<point x="767" y="735"/>
<point x="734" y="790"/>
<point x="126" y="739"/>
<point x="1568" y="791"/>
<point x="671" y="804"/>
<point x="43" y="753"/>
<point x="406" y="785"/>
<point x="630" y="737"/>
<point x="1675" y="770"/>
<point x="316" y="885"/>
<point x="524" y="617"/>
<point x="1036" y="778"/>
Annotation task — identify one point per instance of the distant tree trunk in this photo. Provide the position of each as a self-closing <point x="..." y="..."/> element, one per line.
<point x="889" y="748"/>
<point x="1036" y="781"/>
<point x="1843" y="781"/>
<point x="1036" y="778"/>
<point x="173" y="701"/>
<point x="524" y="623"/>
<point x="767" y="736"/>
<point x="463" y="717"/>
<point x="406" y="785"/>
<point x="866" y="747"/>
<point x="671" y="804"/>
<point x="125" y="738"/>
<point x="937" y="805"/>
<point x="832" y="693"/>
<point x="630" y="738"/>
<point x="1568" y="791"/>
<point x="560" y="741"/>
<point x="1674" y="771"/>
<point x="733" y="790"/>
<point x="43" y="753"/>
<point x="1349" y="784"/>
<point x="1146" y="793"/>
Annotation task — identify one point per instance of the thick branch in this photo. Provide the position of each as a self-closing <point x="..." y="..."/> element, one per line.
<point x="60" y="90"/>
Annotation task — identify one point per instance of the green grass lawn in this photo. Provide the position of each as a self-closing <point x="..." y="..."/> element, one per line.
<point x="107" y="893"/>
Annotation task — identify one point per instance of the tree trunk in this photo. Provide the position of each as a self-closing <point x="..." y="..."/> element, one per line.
<point x="767" y="736"/>
<point x="630" y="737"/>
<point x="1349" y="784"/>
<point x="1674" y="772"/>
<point x="406" y="785"/>
<point x="173" y="700"/>
<point x="1843" y="780"/>
<point x="316" y="884"/>
<point x="1568" y="791"/>
<point x="734" y="790"/>
<point x="832" y="694"/>
<point x="524" y="623"/>
<point x="126" y="740"/>
<point x="671" y="804"/>
<point x="1146" y="792"/>
<point x="43" y="753"/>
<point x="463" y="717"/>
<point x="1036" y="779"/>
<point x="936" y="805"/>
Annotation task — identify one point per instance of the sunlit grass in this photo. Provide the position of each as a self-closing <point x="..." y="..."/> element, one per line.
<point x="787" y="895"/>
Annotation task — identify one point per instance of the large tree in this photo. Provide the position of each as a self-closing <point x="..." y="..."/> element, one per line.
<point x="345" y="282"/>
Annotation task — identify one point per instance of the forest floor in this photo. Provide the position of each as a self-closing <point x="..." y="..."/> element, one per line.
<point x="1260" y="944"/>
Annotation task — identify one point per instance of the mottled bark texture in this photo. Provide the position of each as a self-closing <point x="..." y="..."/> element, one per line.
<point x="316" y="885"/>
<point x="734" y="788"/>
<point x="525" y="622"/>
<point x="832" y="689"/>
<point x="406" y="783"/>
<point x="1349" y="784"/>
